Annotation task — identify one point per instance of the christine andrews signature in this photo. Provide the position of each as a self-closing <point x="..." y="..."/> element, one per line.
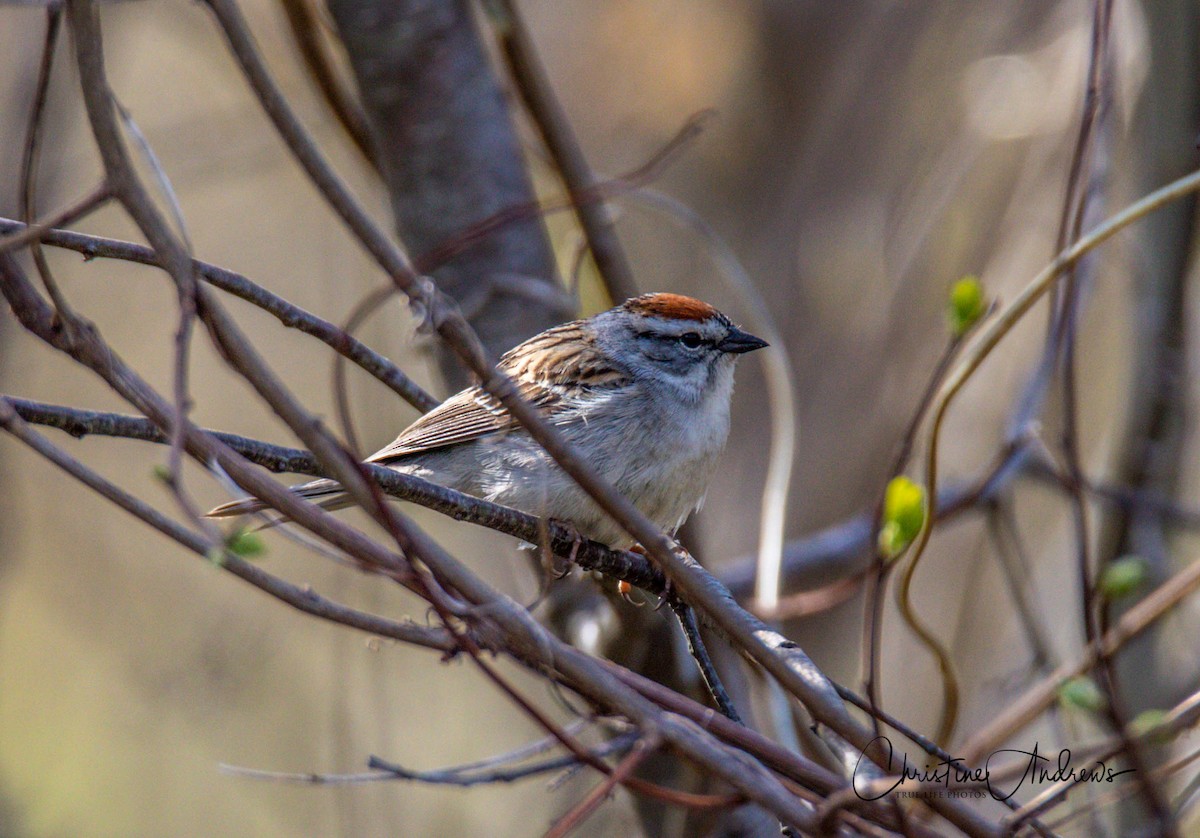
<point x="955" y="772"/>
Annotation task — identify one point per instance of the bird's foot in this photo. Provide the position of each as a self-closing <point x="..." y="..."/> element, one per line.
<point x="560" y="566"/>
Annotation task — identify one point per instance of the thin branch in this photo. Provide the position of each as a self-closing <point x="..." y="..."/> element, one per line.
<point x="462" y="776"/>
<point x="466" y="777"/>
<point x="94" y="199"/>
<point x="302" y="598"/>
<point x="642" y="748"/>
<point x="602" y="191"/>
<point x="872" y="640"/>
<point x="800" y="604"/>
<point x="240" y="286"/>
<point x="80" y="423"/>
<point x="31" y="154"/>
<point x="1133" y="622"/>
<point x="535" y="89"/>
<point x="306" y="28"/>
<point x="1017" y="571"/>
<point x="161" y="178"/>
<point x="712" y="680"/>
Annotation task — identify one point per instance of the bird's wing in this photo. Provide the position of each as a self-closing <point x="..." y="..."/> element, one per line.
<point x="550" y="372"/>
<point x="464" y="417"/>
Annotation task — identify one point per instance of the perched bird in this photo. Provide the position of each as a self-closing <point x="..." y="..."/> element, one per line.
<point x="641" y="390"/>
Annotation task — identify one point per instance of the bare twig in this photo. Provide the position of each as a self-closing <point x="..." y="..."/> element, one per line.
<point x="568" y="822"/>
<point x="463" y="776"/>
<point x="602" y="191"/>
<point x="691" y="630"/>
<point x="1017" y="571"/>
<point x="1133" y="622"/>
<point x="306" y="28"/>
<point x="302" y="598"/>
<point x="449" y="156"/>
<point x="31" y="154"/>
<point x="538" y="94"/>
<point x="882" y="564"/>
<point x="72" y="212"/>
<point x="288" y="314"/>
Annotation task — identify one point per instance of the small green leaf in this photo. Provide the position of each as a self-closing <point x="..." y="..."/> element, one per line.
<point x="903" y="515"/>
<point x="1083" y="693"/>
<point x="162" y="473"/>
<point x="248" y="545"/>
<point x="967" y="305"/>
<point x="1123" y="577"/>
<point x="1147" y="722"/>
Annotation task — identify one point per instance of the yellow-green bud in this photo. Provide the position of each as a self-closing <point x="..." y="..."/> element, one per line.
<point x="1147" y="722"/>
<point x="248" y="545"/>
<point x="1123" y="577"/>
<point x="1083" y="693"/>
<point x="903" y="515"/>
<point x="967" y="305"/>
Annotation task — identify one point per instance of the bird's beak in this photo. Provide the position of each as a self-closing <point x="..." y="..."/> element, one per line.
<point x="737" y="342"/>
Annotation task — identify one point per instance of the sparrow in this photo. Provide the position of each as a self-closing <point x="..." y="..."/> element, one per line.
<point x="642" y="391"/>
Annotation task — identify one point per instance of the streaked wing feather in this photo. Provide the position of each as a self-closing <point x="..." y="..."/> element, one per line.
<point x="550" y="371"/>
<point x="463" y="417"/>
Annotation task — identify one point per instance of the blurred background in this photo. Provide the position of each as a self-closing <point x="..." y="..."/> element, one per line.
<point x="864" y="155"/>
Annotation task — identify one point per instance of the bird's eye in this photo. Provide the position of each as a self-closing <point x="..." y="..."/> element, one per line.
<point x="691" y="340"/>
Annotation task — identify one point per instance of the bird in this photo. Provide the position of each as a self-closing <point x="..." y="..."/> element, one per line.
<point x="642" y="390"/>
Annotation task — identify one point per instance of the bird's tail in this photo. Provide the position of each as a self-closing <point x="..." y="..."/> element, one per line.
<point x="325" y="493"/>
